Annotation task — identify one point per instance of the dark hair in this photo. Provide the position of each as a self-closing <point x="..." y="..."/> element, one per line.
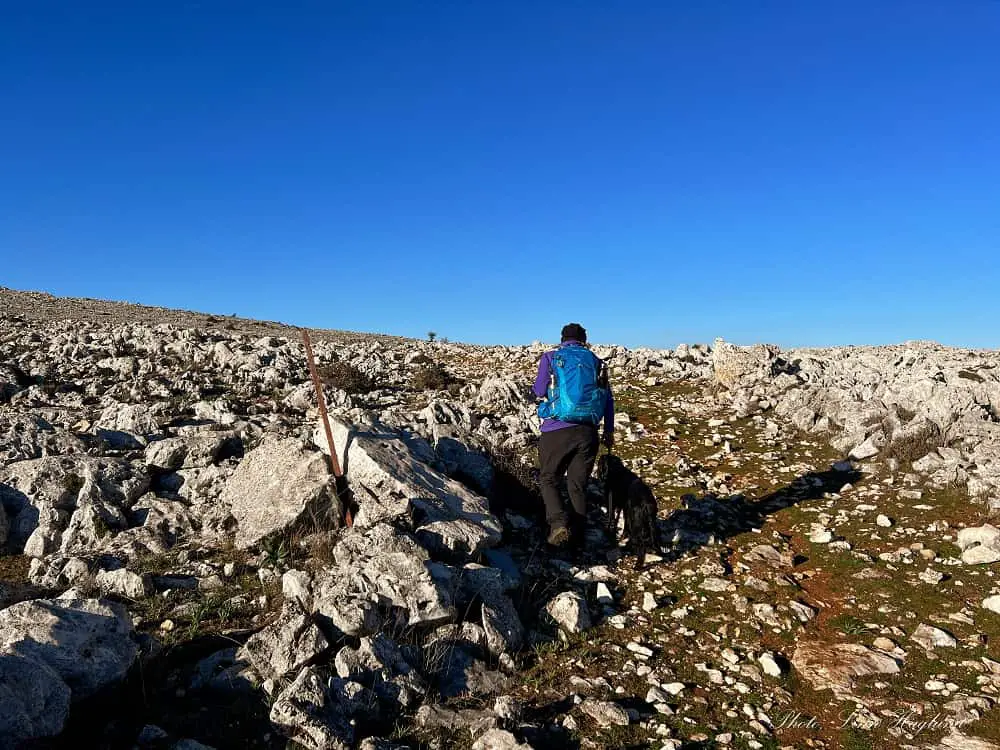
<point x="574" y="332"/>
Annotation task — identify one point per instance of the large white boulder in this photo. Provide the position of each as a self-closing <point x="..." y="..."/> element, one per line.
<point x="87" y="642"/>
<point x="979" y="544"/>
<point x="389" y="480"/>
<point x="741" y="366"/>
<point x="280" y="483"/>
<point x="837" y="666"/>
<point x="381" y="572"/>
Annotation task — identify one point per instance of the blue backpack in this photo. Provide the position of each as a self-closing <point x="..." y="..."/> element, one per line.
<point x="577" y="387"/>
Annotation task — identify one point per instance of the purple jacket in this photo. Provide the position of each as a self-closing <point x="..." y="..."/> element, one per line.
<point x="542" y="388"/>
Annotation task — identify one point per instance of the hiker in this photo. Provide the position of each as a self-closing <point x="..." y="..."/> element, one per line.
<point x="573" y="382"/>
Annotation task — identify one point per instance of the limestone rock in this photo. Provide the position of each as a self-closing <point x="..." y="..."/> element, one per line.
<point x="454" y="655"/>
<point x="769" y="665"/>
<point x="836" y="666"/>
<point x="381" y="571"/>
<point x="296" y="585"/>
<point x="278" y="484"/>
<point x="866" y="449"/>
<point x="312" y="714"/>
<point x="285" y="646"/>
<point x="735" y="366"/>
<point x="569" y="611"/>
<point x="34" y="700"/>
<point x="981" y="555"/>
<point x="979" y="544"/>
<point x="498" y="739"/>
<point x="439" y="718"/>
<point x="955" y="740"/>
<point x="11" y="382"/>
<point x="124" y="583"/>
<point x="188" y="452"/>
<point x="501" y="622"/>
<point x="379" y="664"/>
<point x="501" y="395"/>
<point x="26" y="436"/>
<point x="68" y="503"/>
<point x="87" y="642"/>
<point x="390" y="481"/>
<point x="127" y="426"/>
<point x="929" y="637"/>
<point x="605" y="713"/>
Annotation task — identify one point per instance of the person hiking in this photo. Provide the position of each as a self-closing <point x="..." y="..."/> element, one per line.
<point x="575" y="387"/>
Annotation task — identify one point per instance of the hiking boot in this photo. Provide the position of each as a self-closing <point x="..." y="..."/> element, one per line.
<point x="558" y="536"/>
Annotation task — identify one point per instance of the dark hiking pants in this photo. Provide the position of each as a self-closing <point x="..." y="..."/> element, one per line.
<point x="570" y="451"/>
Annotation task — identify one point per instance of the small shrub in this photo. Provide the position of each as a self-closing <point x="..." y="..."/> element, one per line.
<point x="431" y="335"/>
<point x="434" y="377"/>
<point x="122" y="347"/>
<point x="914" y="443"/>
<point x="347" y="377"/>
<point x="317" y="548"/>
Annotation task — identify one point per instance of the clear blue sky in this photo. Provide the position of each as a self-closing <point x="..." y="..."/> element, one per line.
<point x="765" y="170"/>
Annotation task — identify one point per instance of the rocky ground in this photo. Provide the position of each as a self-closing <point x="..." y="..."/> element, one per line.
<point x="177" y="573"/>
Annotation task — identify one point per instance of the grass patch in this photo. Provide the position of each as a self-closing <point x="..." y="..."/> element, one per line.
<point x="155" y="564"/>
<point x="856" y="739"/>
<point x="622" y="738"/>
<point x="214" y="613"/>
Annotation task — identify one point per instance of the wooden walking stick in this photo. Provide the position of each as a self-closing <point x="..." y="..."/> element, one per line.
<point x="340" y="481"/>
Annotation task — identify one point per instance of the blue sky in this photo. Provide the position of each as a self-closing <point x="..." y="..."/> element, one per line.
<point x="805" y="173"/>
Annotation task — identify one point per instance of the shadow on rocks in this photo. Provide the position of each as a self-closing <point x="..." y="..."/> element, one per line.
<point x="709" y="519"/>
<point x="157" y="691"/>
